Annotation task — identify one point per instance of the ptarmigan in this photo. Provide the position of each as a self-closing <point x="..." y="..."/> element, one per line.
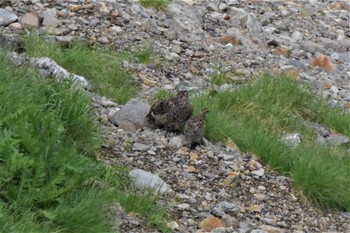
<point x="171" y="113"/>
<point x="195" y="128"/>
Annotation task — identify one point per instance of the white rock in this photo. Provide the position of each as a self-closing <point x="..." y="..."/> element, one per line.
<point x="107" y="103"/>
<point x="177" y="141"/>
<point x="50" y="19"/>
<point x="183" y="206"/>
<point x="140" y="147"/>
<point x="168" y="87"/>
<point x="50" y="67"/>
<point x="259" y="172"/>
<point x="116" y="29"/>
<point x="103" y="9"/>
<point x="334" y="89"/>
<point x="7" y="17"/>
<point x="231" y="2"/>
<point x="222" y="6"/>
<point x="297" y="36"/>
<point x="144" y="179"/>
<point x="291" y="140"/>
<point x="15" y="26"/>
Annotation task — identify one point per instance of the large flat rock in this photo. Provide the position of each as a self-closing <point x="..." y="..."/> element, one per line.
<point x="132" y="116"/>
<point x="145" y="179"/>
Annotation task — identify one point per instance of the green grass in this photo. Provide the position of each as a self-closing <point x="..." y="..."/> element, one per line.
<point x="158" y="4"/>
<point x="102" y="67"/>
<point x="145" y="207"/>
<point x="144" y="55"/>
<point x="50" y="180"/>
<point x="218" y="78"/>
<point x="256" y="115"/>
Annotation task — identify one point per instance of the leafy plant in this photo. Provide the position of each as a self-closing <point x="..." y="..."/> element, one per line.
<point x="50" y="180"/>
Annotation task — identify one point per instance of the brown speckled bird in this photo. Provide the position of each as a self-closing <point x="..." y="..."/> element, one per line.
<point x="195" y="128"/>
<point x="171" y="113"/>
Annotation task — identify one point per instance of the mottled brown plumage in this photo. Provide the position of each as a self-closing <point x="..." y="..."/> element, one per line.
<point x="171" y="113"/>
<point x="195" y="128"/>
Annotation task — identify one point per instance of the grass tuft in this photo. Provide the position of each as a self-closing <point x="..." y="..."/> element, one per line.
<point x="158" y="4"/>
<point x="100" y="66"/>
<point x="218" y="78"/>
<point x="256" y="115"/>
<point x="145" y="55"/>
<point x="146" y="207"/>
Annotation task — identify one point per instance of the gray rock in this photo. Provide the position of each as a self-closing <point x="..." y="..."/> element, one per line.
<point x="345" y="215"/>
<point x="229" y="157"/>
<point x="243" y="227"/>
<point x="266" y="18"/>
<point x="144" y="179"/>
<point x="291" y="140"/>
<point x="12" y="42"/>
<point x="268" y="228"/>
<point x="321" y="140"/>
<point x="258" y="231"/>
<point x="107" y="102"/>
<point x="177" y="141"/>
<point x="231" y="2"/>
<point x="236" y="33"/>
<point x="312" y="47"/>
<point x="259" y="172"/>
<point x="140" y="147"/>
<point x="224" y="208"/>
<point x="212" y="7"/>
<point x="299" y="53"/>
<point x="103" y="40"/>
<point x="325" y="132"/>
<point x="64" y="40"/>
<point x="297" y="36"/>
<point x="217" y="211"/>
<point x="7" y="17"/>
<point x="222" y="6"/>
<point x="134" y="220"/>
<point x="297" y="64"/>
<point x="116" y="29"/>
<point x="54" y="31"/>
<point x="73" y="26"/>
<point x="183" y="206"/>
<point x="170" y="34"/>
<point x="50" y="19"/>
<point x="187" y="18"/>
<point x="237" y="13"/>
<point x="330" y="44"/>
<point x="132" y="116"/>
<point x="49" y="68"/>
<point x="345" y="94"/>
<point x="252" y="24"/>
<point x="336" y="140"/>
<point x="222" y="230"/>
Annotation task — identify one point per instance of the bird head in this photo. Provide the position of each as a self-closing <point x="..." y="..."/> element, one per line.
<point x="183" y="94"/>
<point x="204" y="111"/>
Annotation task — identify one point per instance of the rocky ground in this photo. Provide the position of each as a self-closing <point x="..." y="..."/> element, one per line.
<point x="210" y="185"/>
